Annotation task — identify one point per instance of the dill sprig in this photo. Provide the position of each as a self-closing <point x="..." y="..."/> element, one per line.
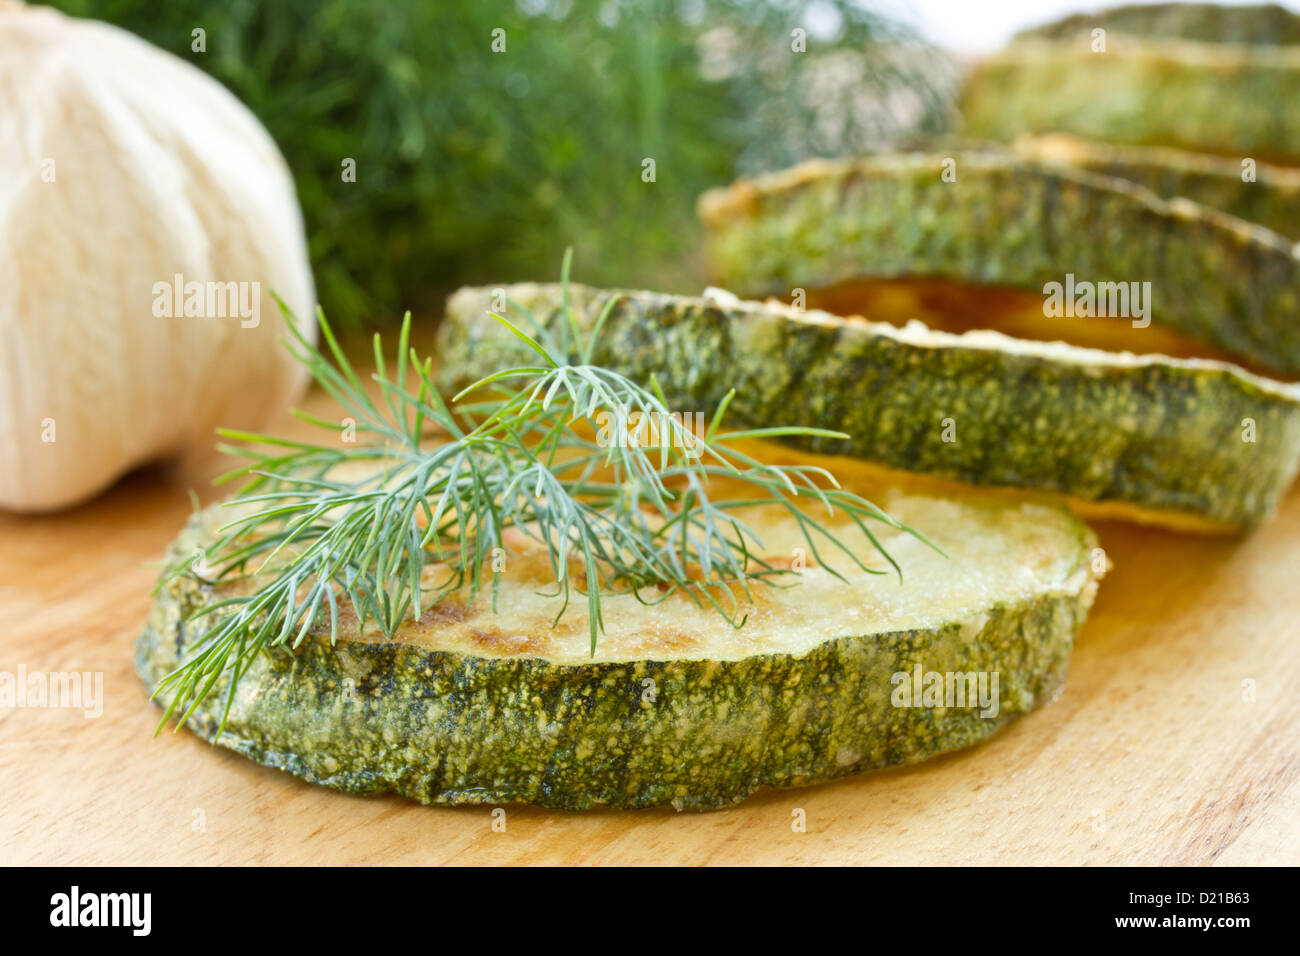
<point x="526" y="448"/>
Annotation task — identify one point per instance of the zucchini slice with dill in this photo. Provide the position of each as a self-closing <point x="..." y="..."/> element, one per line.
<point x="676" y="706"/>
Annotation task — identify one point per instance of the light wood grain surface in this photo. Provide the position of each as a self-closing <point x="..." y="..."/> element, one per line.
<point x="1176" y="740"/>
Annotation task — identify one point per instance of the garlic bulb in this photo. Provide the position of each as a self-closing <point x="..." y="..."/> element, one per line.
<point x="145" y="219"/>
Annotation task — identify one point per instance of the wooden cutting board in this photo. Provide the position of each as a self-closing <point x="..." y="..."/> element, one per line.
<point x="1176" y="740"/>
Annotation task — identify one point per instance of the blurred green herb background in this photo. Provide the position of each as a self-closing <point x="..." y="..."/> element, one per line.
<point x="475" y="166"/>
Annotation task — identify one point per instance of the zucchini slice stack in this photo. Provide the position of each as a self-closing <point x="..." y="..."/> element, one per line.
<point x="1167" y="439"/>
<point x="468" y="705"/>
<point x="1193" y="232"/>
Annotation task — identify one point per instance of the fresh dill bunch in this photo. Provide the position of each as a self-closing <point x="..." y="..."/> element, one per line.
<point x="440" y="485"/>
<point x="470" y="162"/>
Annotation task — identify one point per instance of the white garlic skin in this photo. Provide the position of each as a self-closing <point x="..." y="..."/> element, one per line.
<point x="122" y="166"/>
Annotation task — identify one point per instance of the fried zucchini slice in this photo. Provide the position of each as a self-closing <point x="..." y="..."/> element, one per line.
<point x="1187" y="443"/>
<point x="1226" y="98"/>
<point x="1257" y="192"/>
<point x="676" y="707"/>
<point x="1012" y="222"/>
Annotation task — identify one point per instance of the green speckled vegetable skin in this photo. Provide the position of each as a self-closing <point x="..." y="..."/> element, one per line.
<point x="1271" y="198"/>
<point x="443" y="727"/>
<point x="1160" y="436"/>
<point x="1010" y="222"/>
<point x="1223" y="98"/>
<point x="1266" y="24"/>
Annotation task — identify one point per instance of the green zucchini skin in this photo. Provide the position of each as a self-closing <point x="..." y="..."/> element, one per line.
<point x="1215" y="97"/>
<point x="446" y="728"/>
<point x="1010" y="222"/>
<point x="1160" y="434"/>
<point x="1272" y="199"/>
